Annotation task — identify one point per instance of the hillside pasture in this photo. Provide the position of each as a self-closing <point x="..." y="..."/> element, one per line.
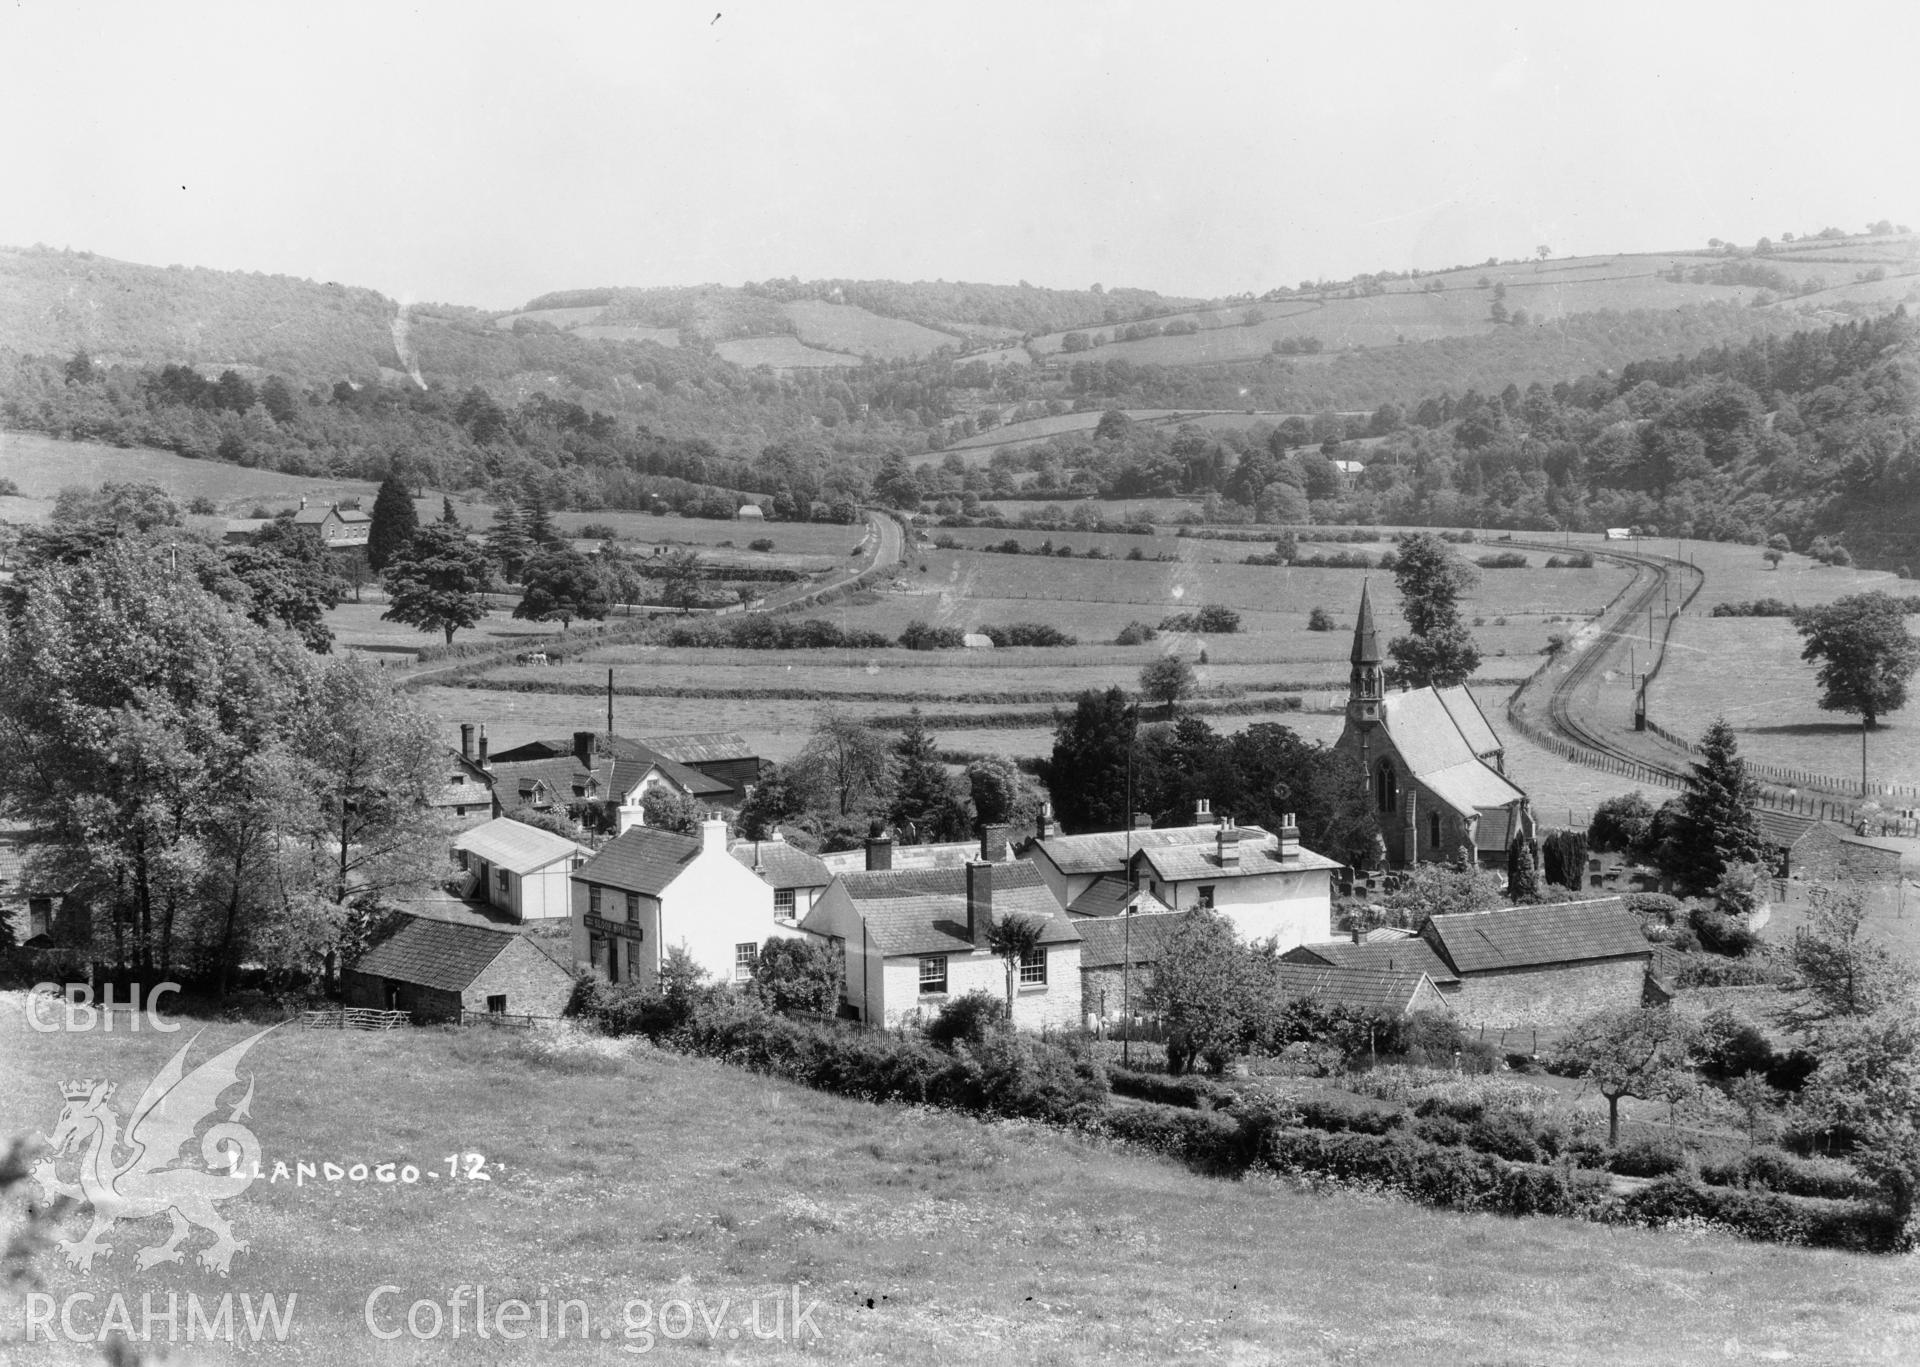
<point x="42" y="466"/>
<point x="920" y="1233"/>
<point x="628" y="332"/>
<point x="569" y="319"/>
<point x="780" y="353"/>
<point x="848" y="328"/>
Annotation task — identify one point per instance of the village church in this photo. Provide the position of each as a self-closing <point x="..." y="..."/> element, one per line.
<point x="1435" y="770"/>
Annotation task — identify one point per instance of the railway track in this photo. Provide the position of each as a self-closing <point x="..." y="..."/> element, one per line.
<point x="1656" y="579"/>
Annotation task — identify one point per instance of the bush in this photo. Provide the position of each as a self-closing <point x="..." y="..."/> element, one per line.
<point x="9" y="489"/>
<point x="1319" y="619"/>
<point x="1652" y="905"/>
<point x="1646" y="1158"/>
<point x="926" y="636"/>
<point x="1194" y="1093"/>
<point x="1622" y="825"/>
<point x="1765" y="1215"/>
<point x="1505" y="560"/>
<point x="1029" y="634"/>
<point x="1731" y="1045"/>
<point x="1775" y="1169"/>
<point x="1720" y="933"/>
<point x="967" y="1019"/>
<point x="1211" y="620"/>
<point x="599" y="531"/>
<point x="1759" y="607"/>
<point x="764" y="543"/>
<point x="1135" y="634"/>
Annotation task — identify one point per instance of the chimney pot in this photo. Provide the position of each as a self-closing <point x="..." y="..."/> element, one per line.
<point x="1227" y="843"/>
<point x="1202" y="811"/>
<point x="1289" y="838"/>
<point x="1142" y="821"/>
<point x="879" y="852"/>
<point x="1043" y="824"/>
<point x="483" y="747"/>
<point x="1358" y="934"/>
<point x="979" y="901"/>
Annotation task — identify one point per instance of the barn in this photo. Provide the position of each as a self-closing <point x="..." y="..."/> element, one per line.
<point x="437" y="969"/>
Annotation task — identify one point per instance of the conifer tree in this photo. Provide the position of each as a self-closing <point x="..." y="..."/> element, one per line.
<point x="394" y="522"/>
<point x="536" y="522"/>
<point x="507" y="540"/>
<point x="1714" y="827"/>
<point x="447" y="514"/>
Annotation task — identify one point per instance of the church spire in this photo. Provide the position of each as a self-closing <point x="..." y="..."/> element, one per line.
<point x="1367" y="686"/>
<point x="1366" y="643"/>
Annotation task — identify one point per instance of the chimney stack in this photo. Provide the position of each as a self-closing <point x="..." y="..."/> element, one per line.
<point x="1227" y="842"/>
<point x="879" y="851"/>
<point x="630" y="814"/>
<point x="1142" y="821"/>
<point x="993" y="842"/>
<point x="713" y="834"/>
<point x="583" y="748"/>
<point x="1359" y="935"/>
<point x="1202" y="811"/>
<point x="1289" y="839"/>
<point x="1043" y="823"/>
<point x="979" y="901"/>
<point x="466" y="741"/>
<point x="483" y="747"/>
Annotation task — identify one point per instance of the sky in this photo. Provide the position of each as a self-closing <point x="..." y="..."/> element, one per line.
<point x="481" y="153"/>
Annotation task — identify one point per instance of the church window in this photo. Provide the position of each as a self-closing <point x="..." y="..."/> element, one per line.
<point x="1386" y="788"/>
<point x="1433" y="830"/>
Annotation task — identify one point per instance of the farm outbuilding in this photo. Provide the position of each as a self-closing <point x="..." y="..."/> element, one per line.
<point x="750" y="512"/>
<point x="436" y="969"/>
<point x="1803" y="847"/>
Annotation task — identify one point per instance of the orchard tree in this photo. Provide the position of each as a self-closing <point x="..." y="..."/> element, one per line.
<point x="847" y="761"/>
<point x="1167" y="680"/>
<point x="395" y="520"/>
<point x="559" y="582"/>
<point x="1636" y="1051"/>
<point x="1210" y="989"/>
<point x="1868" y="1083"/>
<point x="680" y="587"/>
<point x="1866" y="655"/>
<point x="1846" y="971"/>
<point x="437" y="582"/>
<point x="1714" y="826"/>
<point x="1432" y="580"/>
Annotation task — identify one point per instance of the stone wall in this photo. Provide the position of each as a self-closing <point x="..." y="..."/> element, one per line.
<point x="1551" y="995"/>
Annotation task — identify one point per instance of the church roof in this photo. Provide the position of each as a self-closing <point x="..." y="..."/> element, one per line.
<point x="1441" y="738"/>
<point x="1366" y="640"/>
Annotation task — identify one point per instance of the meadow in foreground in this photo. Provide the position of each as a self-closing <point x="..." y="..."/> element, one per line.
<point x="620" y="1173"/>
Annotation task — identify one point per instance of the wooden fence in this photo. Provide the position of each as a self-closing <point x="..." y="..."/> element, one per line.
<point x="355" y="1018"/>
<point x="502" y="1021"/>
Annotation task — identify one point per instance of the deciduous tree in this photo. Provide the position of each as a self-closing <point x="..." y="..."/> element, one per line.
<point x="559" y="582"/>
<point x="1167" y="680"/>
<point x="1638" y="1052"/>
<point x="1432" y="580"/>
<point x="1865" y="653"/>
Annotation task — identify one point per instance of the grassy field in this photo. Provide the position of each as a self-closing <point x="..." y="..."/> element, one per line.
<point x="41" y="466"/>
<point x="843" y="327"/>
<point x="628" y="332"/>
<point x="781" y="353"/>
<point x="702" y="533"/>
<point x="357" y="626"/>
<point x="921" y="1235"/>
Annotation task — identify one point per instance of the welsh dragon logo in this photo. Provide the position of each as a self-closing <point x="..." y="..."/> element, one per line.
<point x="139" y="1173"/>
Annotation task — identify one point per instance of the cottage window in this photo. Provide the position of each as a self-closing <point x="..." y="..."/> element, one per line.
<point x="497" y="1005"/>
<point x="1206" y="896"/>
<point x="744" y="956"/>
<point x="462" y="855"/>
<point x="1033" y="967"/>
<point x="593" y="899"/>
<point x="39" y="916"/>
<point x="933" y="975"/>
<point x="783" y="903"/>
<point x="502" y="880"/>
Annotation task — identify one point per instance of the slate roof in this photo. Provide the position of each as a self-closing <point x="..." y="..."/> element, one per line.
<point x="1374" y="991"/>
<point x="448" y="955"/>
<point x="1107" y="894"/>
<point x="924" y="911"/>
<point x="780" y="865"/>
<point x="1102" y="851"/>
<point x="1110" y="941"/>
<point x="1397" y="956"/>
<point x="703" y="747"/>
<point x="515" y="846"/>
<point x="632" y="759"/>
<point x="1528" y="937"/>
<point x="1441" y="738"/>
<point x="1464" y="708"/>
<point x="1366" y="640"/>
<point x="1782" y="829"/>
<point x="1258" y="858"/>
<point x="643" y="860"/>
<point x="513" y="781"/>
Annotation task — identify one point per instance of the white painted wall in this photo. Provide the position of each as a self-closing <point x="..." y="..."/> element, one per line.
<point x="1294" y="908"/>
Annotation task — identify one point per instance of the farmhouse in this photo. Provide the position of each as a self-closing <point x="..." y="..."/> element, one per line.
<point x="339" y="529"/>
<point x="796" y="877"/>
<point x="914" y="939"/>
<point x="1267" y="885"/>
<point x="437" y="969"/>
<point x="1435" y="770"/>
<point x="588" y="775"/>
<point x="882" y="852"/>
<point x="721" y="755"/>
<point x="651" y="891"/>
<point x="519" y="869"/>
<point x="465" y="796"/>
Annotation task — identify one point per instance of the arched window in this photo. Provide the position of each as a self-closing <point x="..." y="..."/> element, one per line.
<point x="1386" y="788"/>
<point x="1433" y="830"/>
